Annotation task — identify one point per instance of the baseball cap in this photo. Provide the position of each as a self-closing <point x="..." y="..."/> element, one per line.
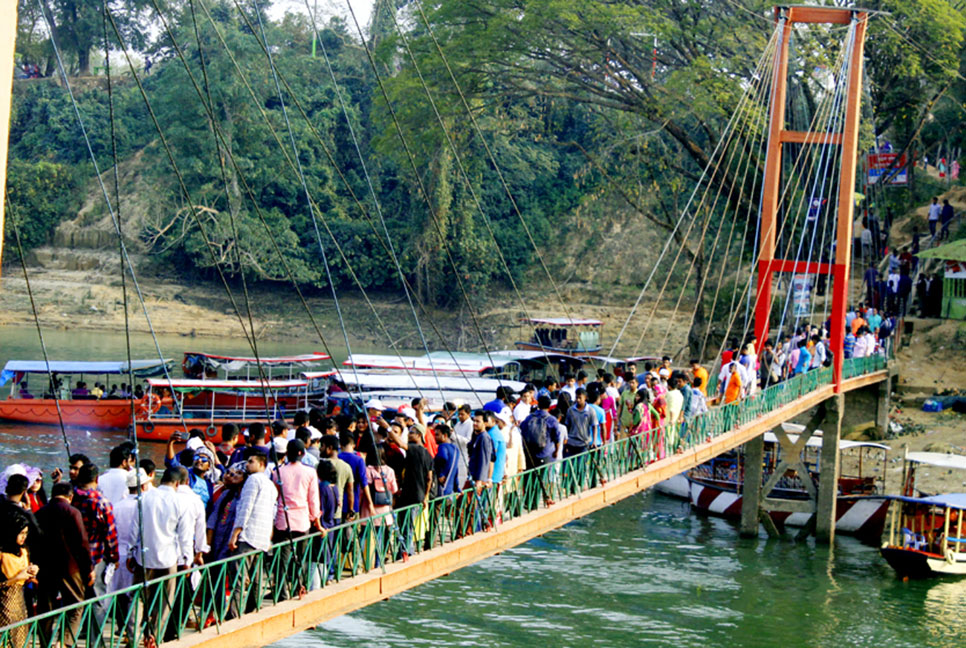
<point x="408" y="412"/>
<point x="504" y="416"/>
<point x="134" y="477"/>
<point x="374" y="403"/>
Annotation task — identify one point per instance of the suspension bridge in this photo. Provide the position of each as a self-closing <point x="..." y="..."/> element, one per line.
<point x="257" y="598"/>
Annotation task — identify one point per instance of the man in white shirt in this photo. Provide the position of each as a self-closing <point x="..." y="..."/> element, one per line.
<point x="255" y="517"/>
<point x="125" y="517"/>
<point x="254" y="523"/>
<point x="165" y="529"/>
<point x="935" y="210"/>
<point x="113" y="483"/>
<point x="527" y="400"/>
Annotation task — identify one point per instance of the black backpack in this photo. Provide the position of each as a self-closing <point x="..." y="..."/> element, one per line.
<point x="535" y="434"/>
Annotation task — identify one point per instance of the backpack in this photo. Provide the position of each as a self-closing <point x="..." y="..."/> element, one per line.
<point x="535" y="434"/>
<point x="380" y="497"/>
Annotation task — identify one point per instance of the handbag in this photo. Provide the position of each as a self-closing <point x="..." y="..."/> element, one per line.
<point x="381" y="497"/>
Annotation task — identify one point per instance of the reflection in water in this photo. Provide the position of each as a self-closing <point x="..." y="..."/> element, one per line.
<point x="647" y="572"/>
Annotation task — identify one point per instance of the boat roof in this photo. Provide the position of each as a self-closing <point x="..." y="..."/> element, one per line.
<point x="239" y="362"/>
<point x="393" y="382"/>
<point x="189" y="384"/>
<point x="315" y="375"/>
<point x="939" y="459"/>
<point x="140" y="367"/>
<point x="816" y="442"/>
<point x="562" y="321"/>
<point x="954" y="500"/>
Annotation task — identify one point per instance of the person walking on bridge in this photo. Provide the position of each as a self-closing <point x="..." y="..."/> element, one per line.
<point x="935" y="211"/>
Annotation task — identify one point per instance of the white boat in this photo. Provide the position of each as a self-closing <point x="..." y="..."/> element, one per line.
<point x="510" y="364"/>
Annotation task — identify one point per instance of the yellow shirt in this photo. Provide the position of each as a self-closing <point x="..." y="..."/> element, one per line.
<point x="11" y="564"/>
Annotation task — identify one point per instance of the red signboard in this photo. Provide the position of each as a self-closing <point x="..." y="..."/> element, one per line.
<point x="877" y="163"/>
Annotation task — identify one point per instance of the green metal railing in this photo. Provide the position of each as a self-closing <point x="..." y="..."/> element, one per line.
<point x="209" y="595"/>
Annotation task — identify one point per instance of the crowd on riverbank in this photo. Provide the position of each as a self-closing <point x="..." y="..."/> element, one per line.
<point x="100" y="531"/>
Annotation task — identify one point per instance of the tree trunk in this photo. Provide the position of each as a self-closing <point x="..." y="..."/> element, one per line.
<point x="699" y="324"/>
<point x="83" y="62"/>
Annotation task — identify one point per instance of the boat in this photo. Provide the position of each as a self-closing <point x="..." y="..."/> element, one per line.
<point x="509" y="364"/>
<point x="925" y="536"/>
<point x="397" y="390"/>
<point x="564" y="335"/>
<point x="715" y="487"/>
<point x="168" y="407"/>
<point x="76" y="410"/>
<point x="210" y="366"/>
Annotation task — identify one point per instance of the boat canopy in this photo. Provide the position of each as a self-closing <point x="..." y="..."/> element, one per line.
<point x="141" y="368"/>
<point x="190" y="384"/>
<point x="562" y="321"/>
<point x="393" y="382"/>
<point x="237" y="363"/>
<point x="954" y="500"/>
<point x="815" y="441"/>
<point x="318" y="375"/>
<point x="939" y="459"/>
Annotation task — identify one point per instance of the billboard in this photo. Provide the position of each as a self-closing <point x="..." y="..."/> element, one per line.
<point x="877" y="163"/>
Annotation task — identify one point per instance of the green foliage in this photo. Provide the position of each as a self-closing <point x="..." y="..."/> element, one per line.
<point x="39" y="195"/>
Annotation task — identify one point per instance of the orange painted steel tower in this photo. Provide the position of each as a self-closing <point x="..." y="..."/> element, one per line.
<point x="848" y="140"/>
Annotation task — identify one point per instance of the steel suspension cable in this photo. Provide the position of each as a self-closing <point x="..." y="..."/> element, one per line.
<point x="684" y="212"/>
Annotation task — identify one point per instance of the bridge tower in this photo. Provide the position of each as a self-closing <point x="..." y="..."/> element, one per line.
<point x="778" y="135"/>
<point x="821" y="504"/>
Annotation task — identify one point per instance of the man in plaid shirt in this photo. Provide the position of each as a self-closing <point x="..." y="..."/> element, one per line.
<point x="98" y="518"/>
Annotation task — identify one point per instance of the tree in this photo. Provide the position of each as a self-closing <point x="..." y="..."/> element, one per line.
<point x="77" y="27"/>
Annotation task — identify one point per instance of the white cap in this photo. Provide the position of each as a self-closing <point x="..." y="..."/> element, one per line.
<point x="133" y="477"/>
<point x="504" y="416"/>
<point x="313" y="432"/>
<point x="194" y="443"/>
<point x="374" y="403"/>
<point x="281" y="444"/>
<point x="408" y="412"/>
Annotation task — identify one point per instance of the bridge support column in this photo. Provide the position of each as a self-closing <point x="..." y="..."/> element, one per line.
<point x="751" y="486"/>
<point x="828" y="481"/>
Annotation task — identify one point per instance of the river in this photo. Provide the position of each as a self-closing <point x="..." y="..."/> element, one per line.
<point x="647" y="572"/>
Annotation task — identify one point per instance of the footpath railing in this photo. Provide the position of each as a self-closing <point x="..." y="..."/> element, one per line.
<point x="168" y="608"/>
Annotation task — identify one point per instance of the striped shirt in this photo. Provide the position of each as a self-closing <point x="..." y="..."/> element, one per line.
<point x="256" y="511"/>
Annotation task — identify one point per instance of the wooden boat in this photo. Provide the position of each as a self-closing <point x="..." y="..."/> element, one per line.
<point x="925" y="536"/>
<point x="715" y="489"/>
<point x="564" y="335"/>
<point x="75" y="410"/>
<point x="205" y="366"/>
<point x="255" y="400"/>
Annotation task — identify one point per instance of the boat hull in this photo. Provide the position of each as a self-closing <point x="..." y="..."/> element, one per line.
<point x="91" y="414"/>
<point x="912" y="563"/>
<point x="676" y="486"/>
<point x="862" y="516"/>
<point x="162" y="429"/>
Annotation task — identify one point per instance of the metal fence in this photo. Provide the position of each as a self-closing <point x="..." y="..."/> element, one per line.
<point x="168" y="608"/>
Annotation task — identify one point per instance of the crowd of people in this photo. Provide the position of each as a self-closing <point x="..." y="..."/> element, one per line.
<point x="100" y="531"/>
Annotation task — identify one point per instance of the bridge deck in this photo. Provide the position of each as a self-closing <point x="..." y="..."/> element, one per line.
<point x="369" y="560"/>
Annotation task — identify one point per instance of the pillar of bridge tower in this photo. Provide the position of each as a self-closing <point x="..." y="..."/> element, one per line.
<point x="8" y="37"/>
<point x="828" y="480"/>
<point x="770" y="190"/>
<point x="846" y="201"/>
<point x="754" y="452"/>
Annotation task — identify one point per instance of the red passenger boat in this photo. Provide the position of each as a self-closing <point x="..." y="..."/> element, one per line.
<point x="75" y="409"/>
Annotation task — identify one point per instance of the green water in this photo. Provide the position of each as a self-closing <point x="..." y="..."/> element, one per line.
<point x="647" y="572"/>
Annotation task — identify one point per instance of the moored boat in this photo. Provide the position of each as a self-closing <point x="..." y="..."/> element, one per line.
<point x="716" y="487"/>
<point x="563" y="335"/>
<point x="925" y="536"/>
<point x="59" y="403"/>
<point x="255" y="400"/>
